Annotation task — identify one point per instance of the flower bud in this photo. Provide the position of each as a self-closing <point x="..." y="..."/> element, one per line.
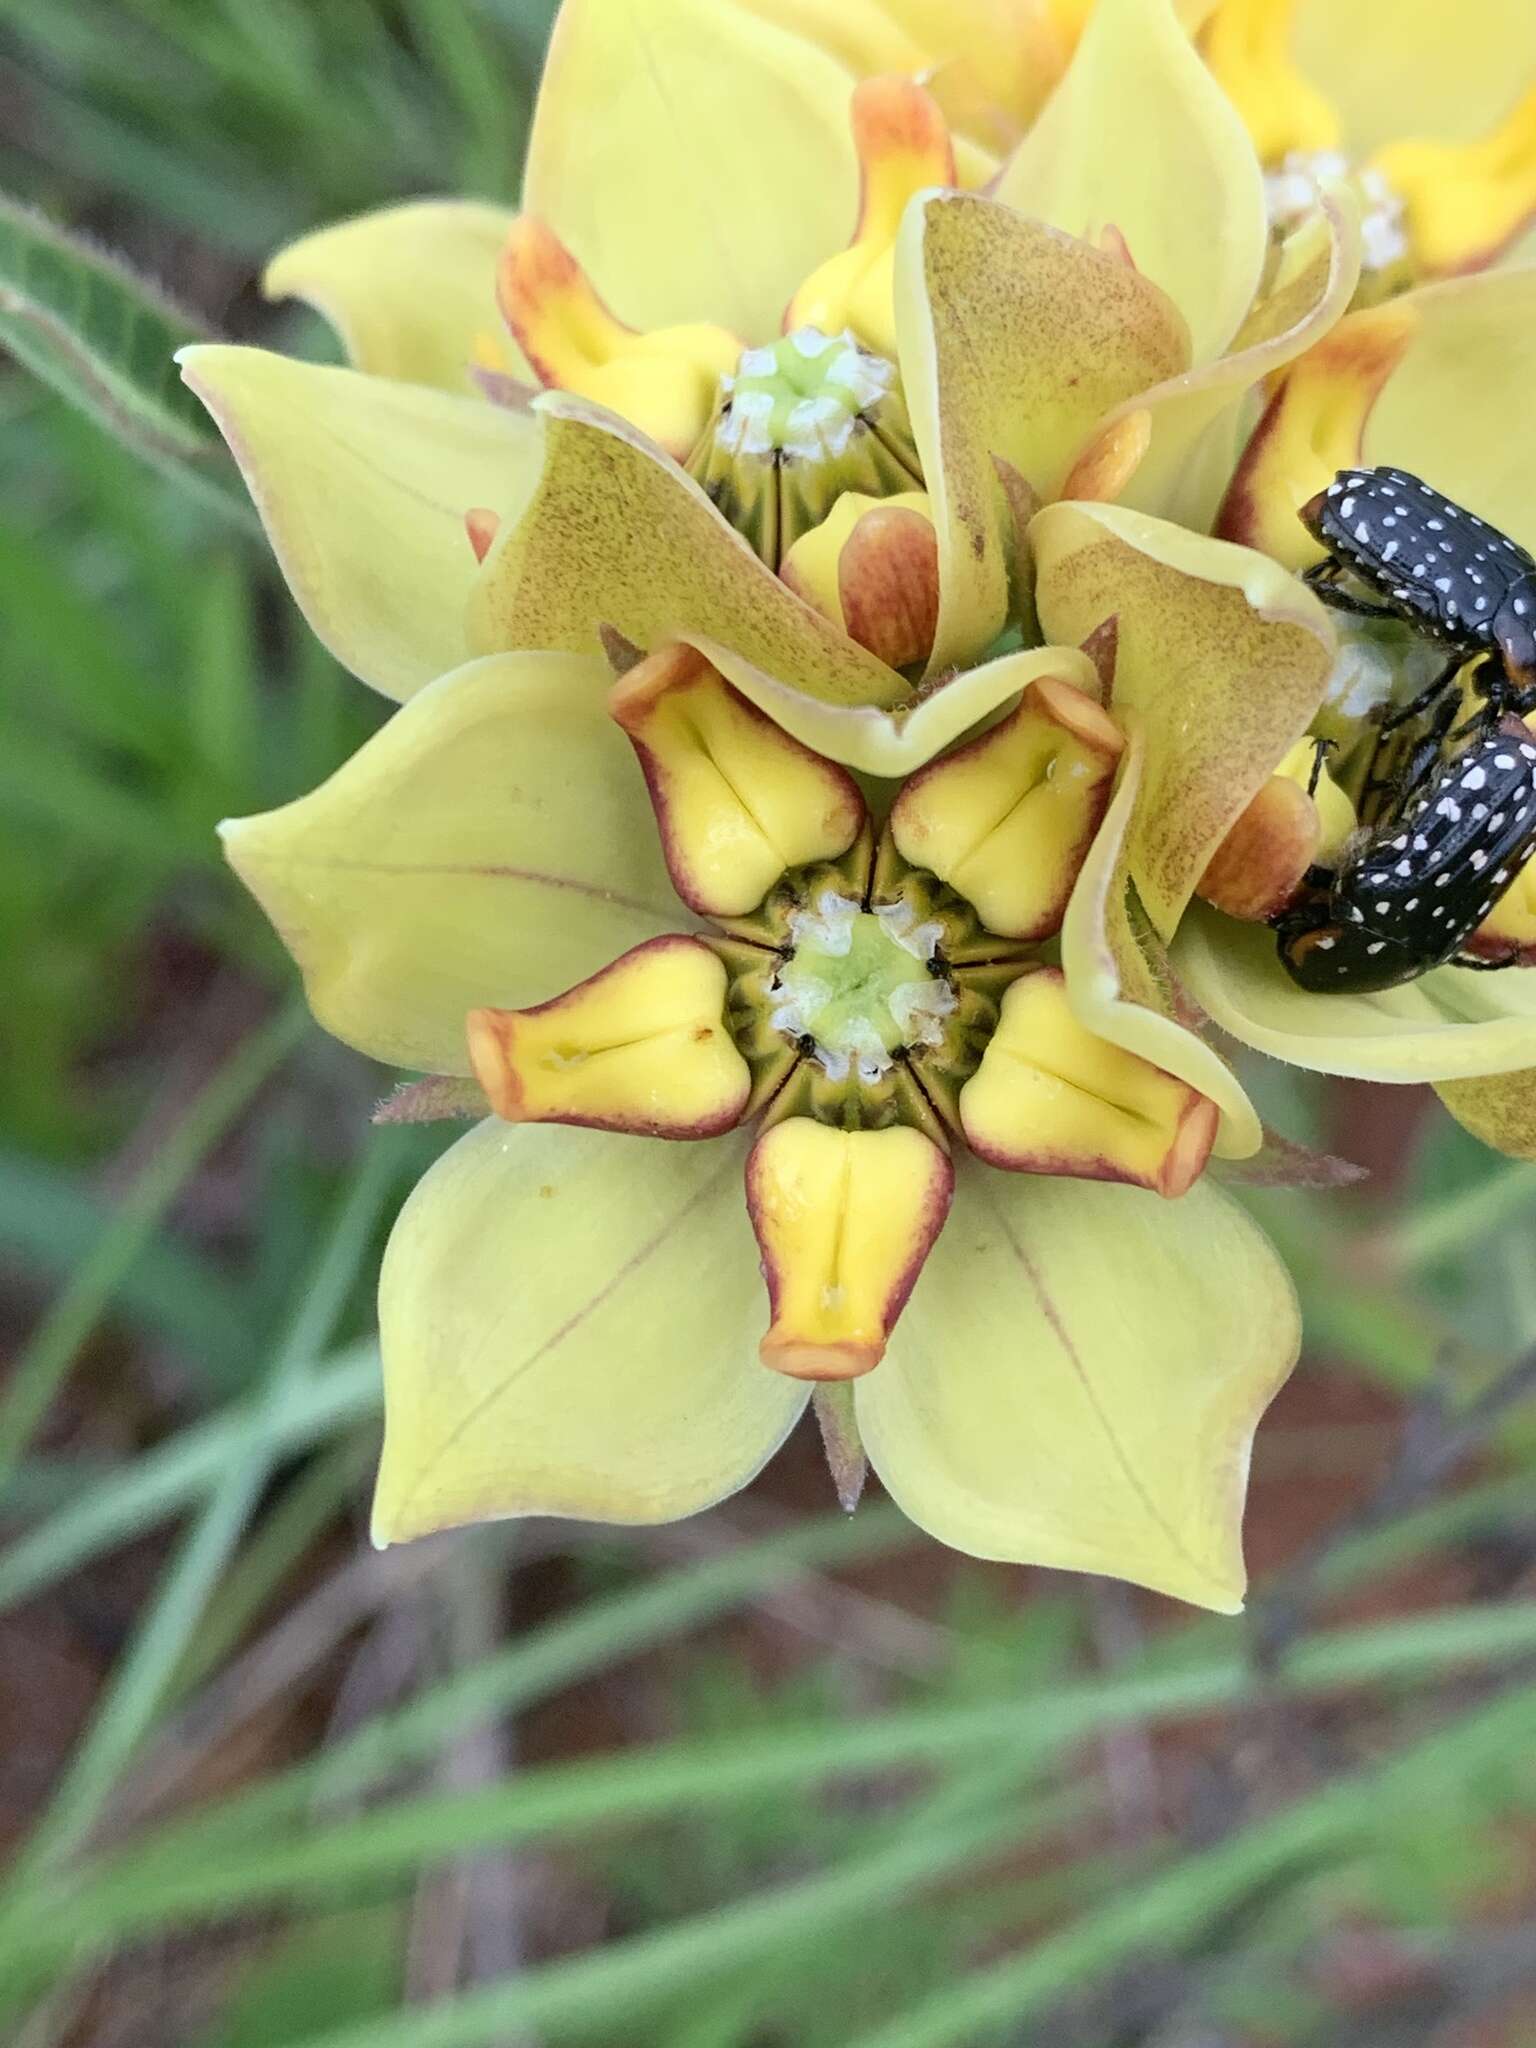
<point x="872" y="567"/>
<point x="844" y="1220"/>
<point x="1052" y="1097"/>
<point x="642" y="1046"/>
<point x="1259" y="866"/>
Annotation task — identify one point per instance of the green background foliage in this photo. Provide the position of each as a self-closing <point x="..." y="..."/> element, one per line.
<point x="773" y="1779"/>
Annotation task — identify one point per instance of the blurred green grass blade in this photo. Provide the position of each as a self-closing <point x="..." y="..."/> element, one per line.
<point x="142" y="1677"/>
<point x="43" y="1362"/>
<point x="223" y="695"/>
<point x="115" y="1507"/>
<point x="52" y="1222"/>
<point x="105" y="340"/>
<point x="192" y="1869"/>
<point x="1164" y="1911"/>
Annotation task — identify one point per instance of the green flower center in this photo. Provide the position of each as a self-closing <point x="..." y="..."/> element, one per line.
<point x="858" y="984"/>
<point x="800" y="421"/>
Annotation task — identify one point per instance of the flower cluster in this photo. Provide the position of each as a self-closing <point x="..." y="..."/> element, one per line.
<point x="869" y="704"/>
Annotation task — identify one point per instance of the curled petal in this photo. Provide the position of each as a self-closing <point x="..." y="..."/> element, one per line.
<point x="1298" y="817"/>
<point x="737" y="800"/>
<point x="891" y="744"/>
<point x="1427" y="73"/>
<point x="1015" y="342"/>
<point x="1119" y="983"/>
<point x="616" y="535"/>
<point x="1221" y="662"/>
<point x="1052" y="1097"/>
<point x="694" y="155"/>
<point x="642" y="1047"/>
<point x="872" y="567"/>
<point x="410" y="289"/>
<point x="1139" y="137"/>
<point x="492" y="842"/>
<point x="844" y="1220"/>
<point x="567" y="1321"/>
<point x="1008" y="819"/>
<point x="363" y="485"/>
<point x="1194" y="421"/>
<point x="1077" y="1380"/>
<point x="1452" y="1024"/>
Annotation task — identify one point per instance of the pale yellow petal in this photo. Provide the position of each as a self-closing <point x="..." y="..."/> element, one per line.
<point x="569" y="1324"/>
<point x="1197" y="420"/>
<point x="893" y="743"/>
<point x="1457" y="409"/>
<point x="1498" y="1108"/>
<point x="1078" y="1377"/>
<point x="1015" y="342"/>
<point x="1221" y="662"/>
<point x="616" y="535"/>
<point x="1117" y="980"/>
<point x="694" y="156"/>
<point x="494" y="844"/>
<point x="410" y="289"/>
<point x="1453" y="1024"/>
<point x="362" y="484"/>
<point x="1139" y="137"/>
<point x="1415" y="67"/>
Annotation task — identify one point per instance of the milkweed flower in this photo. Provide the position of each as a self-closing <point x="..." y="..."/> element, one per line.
<point x="981" y="454"/>
<point x="1433" y="120"/>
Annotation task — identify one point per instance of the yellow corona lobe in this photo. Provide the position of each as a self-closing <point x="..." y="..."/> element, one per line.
<point x="1247" y="45"/>
<point x="737" y="800"/>
<point x="1465" y="201"/>
<point x="844" y="1221"/>
<point x="872" y="567"/>
<point x="1051" y="1097"/>
<point x="903" y="146"/>
<point x="663" y="382"/>
<point x="641" y="1047"/>
<point x="1311" y="429"/>
<point x="1007" y="820"/>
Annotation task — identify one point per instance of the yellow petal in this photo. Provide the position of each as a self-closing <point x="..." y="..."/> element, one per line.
<point x="617" y="535"/>
<point x="410" y="289"/>
<point x="1118" y="981"/>
<point x="1077" y="1380"/>
<point x="1140" y="138"/>
<point x="695" y="158"/>
<point x="1007" y="820"/>
<point x="1015" y="342"/>
<point x="1221" y="662"/>
<point x="1195" y="421"/>
<point x="1052" y="1097"/>
<point x="1457" y="409"/>
<point x="845" y="1220"/>
<point x="1498" y="1108"/>
<point x="1247" y="45"/>
<point x="493" y="844"/>
<point x="737" y="800"/>
<point x="568" y="1321"/>
<point x="642" y="1047"/>
<point x="1453" y="1024"/>
<point x="1408" y="67"/>
<point x="363" y="485"/>
<point x="891" y="744"/>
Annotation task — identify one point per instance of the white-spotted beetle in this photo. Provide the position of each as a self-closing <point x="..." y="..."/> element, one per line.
<point x="1409" y="894"/>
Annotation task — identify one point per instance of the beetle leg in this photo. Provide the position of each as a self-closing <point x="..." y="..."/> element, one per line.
<point x="1427" y="696"/>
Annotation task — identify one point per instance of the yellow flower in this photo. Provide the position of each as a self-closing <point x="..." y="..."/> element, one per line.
<point x="1019" y="414"/>
<point x="1050" y="1369"/>
<point x="1430" y="111"/>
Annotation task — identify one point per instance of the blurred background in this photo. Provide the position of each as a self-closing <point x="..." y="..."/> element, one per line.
<point x="771" y="1779"/>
